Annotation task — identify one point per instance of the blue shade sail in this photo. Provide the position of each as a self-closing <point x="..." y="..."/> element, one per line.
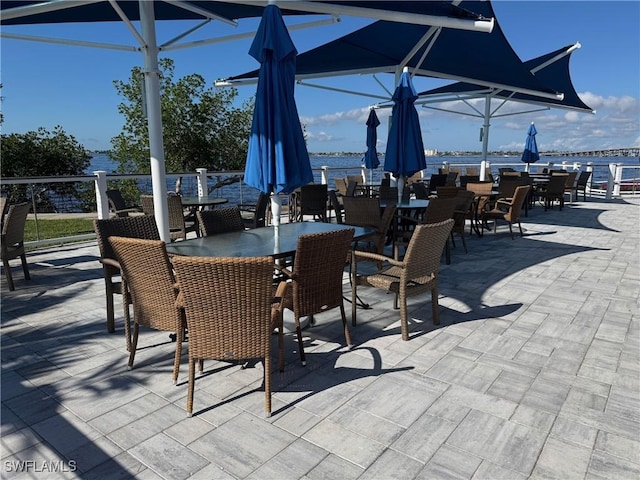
<point x="371" y="159"/>
<point x="277" y="160"/>
<point x="405" y="150"/>
<point x="530" y="153"/>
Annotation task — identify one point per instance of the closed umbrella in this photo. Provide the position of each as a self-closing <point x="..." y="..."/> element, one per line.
<point x="277" y="160"/>
<point x="371" y="159"/>
<point x="530" y="153"/>
<point x="405" y="150"/>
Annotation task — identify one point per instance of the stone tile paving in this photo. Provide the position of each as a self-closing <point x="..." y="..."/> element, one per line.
<point x="533" y="373"/>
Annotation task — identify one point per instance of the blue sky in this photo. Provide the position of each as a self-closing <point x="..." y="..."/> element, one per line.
<point x="47" y="85"/>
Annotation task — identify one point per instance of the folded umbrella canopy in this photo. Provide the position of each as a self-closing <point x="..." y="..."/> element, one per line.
<point x="530" y="153"/>
<point x="405" y="150"/>
<point x="277" y="160"/>
<point x="371" y="159"/>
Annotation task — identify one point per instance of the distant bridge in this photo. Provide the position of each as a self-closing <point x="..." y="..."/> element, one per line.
<point x="609" y="152"/>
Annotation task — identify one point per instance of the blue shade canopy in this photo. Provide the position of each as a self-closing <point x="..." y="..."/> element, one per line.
<point x="552" y="69"/>
<point x="277" y="160"/>
<point x="405" y="150"/>
<point x="386" y="47"/>
<point x="371" y="159"/>
<point x="530" y="153"/>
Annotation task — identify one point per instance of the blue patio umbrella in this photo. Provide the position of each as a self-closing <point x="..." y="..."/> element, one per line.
<point x="277" y="160"/>
<point x="530" y="153"/>
<point x="405" y="150"/>
<point x="371" y="159"/>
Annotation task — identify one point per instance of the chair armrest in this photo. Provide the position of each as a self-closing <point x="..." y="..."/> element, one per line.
<point x="285" y="271"/>
<point x="110" y="262"/>
<point x="377" y="257"/>
<point x="128" y="210"/>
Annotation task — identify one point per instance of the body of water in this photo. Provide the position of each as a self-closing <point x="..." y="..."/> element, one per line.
<point x="340" y="166"/>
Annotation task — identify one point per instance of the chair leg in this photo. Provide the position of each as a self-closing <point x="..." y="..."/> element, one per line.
<point x="7" y="273"/>
<point x="267" y="384"/>
<point x="434" y="306"/>
<point x="300" y="345"/>
<point x="25" y="268"/>
<point x="134" y="344"/>
<point x="404" y="317"/>
<point x="464" y="243"/>
<point x="511" y="231"/>
<point x="176" y="360"/>
<point x="111" y="323"/>
<point x="347" y="334"/>
<point x="520" y="227"/>
<point x="192" y="379"/>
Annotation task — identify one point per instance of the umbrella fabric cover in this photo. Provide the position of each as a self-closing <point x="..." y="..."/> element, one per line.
<point x="405" y="150"/>
<point x="530" y="153"/>
<point x="277" y="160"/>
<point x="371" y="157"/>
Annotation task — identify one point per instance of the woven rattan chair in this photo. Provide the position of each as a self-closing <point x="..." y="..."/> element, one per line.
<point x="141" y="226"/>
<point x="570" y="185"/>
<point x="437" y="180"/>
<point x="231" y="313"/>
<point x="481" y="203"/>
<point x="341" y="186"/>
<point x="220" y="220"/>
<point x="446" y="192"/>
<point x="336" y="205"/>
<point x="581" y="184"/>
<point x="415" y="274"/>
<point x="316" y="278"/>
<point x="255" y="216"/>
<point x="312" y="201"/>
<point x="12" y="240"/>
<point x="464" y="201"/>
<point x="438" y="210"/>
<point x="508" y="210"/>
<point x="366" y="212"/>
<point x="178" y="226"/>
<point x="118" y="206"/>
<point x="150" y="287"/>
<point x="553" y="191"/>
<point x="420" y="190"/>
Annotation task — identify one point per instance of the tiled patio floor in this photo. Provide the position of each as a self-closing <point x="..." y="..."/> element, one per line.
<point x="534" y="373"/>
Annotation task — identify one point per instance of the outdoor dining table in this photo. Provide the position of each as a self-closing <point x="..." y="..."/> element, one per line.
<point x="204" y="201"/>
<point x="277" y="242"/>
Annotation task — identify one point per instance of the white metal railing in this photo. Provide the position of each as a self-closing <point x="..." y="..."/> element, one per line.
<point x="622" y="180"/>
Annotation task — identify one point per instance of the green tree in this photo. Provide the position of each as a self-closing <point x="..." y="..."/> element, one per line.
<point x="202" y="128"/>
<point x="44" y="153"/>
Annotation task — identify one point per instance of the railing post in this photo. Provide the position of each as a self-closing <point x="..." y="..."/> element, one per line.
<point x="590" y="182"/>
<point x="483" y="170"/>
<point x="611" y="181"/>
<point x="363" y="172"/>
<point x="202" y="182"/>
<point x="324" y="175"/>
<point x="102" y="202"/>
<point x="618" y="180"/>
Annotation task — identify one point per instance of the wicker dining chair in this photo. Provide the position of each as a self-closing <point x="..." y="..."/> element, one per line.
<point x="316" y="278"/>
<point x="12" y="240"/>
<point x="366" y="212"/>
<point x="312" y="201"/>
<point x="464" y="201"/>
<point x="336" y="205"/>
<point x="141" y="226"/>
<point x="508" y="210"/>
<point x="220" y="220"/>
<point x="256" y="215"/>
<point x="581" y="185"/>
<point x="231" y="313"/>
<point x="178" y="226"/>
<point x="118" y="206"/>
<point x="150" y="287"/>
<point x="416" y="273"/>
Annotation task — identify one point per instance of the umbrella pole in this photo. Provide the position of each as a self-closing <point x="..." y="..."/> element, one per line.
<point x="276" y="208"/>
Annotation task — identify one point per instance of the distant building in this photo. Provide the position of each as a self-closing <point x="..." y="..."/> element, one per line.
<point x="430" y="152"/>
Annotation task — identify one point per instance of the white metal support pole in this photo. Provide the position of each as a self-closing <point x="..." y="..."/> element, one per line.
<point x="485" y="134"/>
<point x="611" y="181"/>
<point x="154" y="118"/>
<point x="102" y="202"/>
<point x="617" y="180"/>
<point x="324" y="175"/>
<point x="202" y="182"/>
